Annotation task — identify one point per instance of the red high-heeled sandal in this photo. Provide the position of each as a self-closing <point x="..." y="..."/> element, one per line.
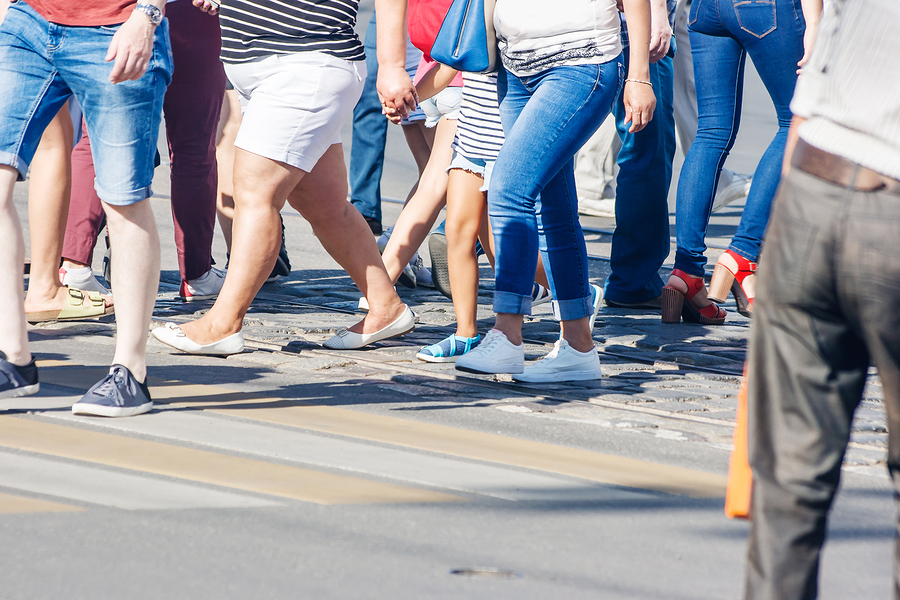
<point x="736" y="274"/>
<point x="677" y="306"/>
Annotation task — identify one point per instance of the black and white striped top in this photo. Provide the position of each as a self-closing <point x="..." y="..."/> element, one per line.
<point x="479" y="133"/>
<point x="254" y="29"/>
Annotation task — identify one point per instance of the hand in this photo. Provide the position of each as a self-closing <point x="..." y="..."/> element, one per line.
<point x="396" y="91"/>
<point x="640" y="102"/>
<point x="809" y="41"/>
<point x="660" y="38"/>
<point x="131" y="48"/>
<point x="207" y="6"/>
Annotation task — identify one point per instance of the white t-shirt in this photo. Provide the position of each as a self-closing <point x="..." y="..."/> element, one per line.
<point x="535" y="35"/>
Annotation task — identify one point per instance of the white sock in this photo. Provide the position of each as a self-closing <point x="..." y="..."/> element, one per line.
<point x="80" y="274"/>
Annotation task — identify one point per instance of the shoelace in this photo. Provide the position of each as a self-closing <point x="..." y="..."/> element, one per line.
<point x="110" y="388"/>
<point x="553" y="353"/>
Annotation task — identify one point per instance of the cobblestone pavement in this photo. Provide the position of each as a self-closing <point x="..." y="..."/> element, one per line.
<point x="674" y="381"/>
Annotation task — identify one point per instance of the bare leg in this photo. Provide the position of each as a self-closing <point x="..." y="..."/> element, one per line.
<point x="48" y="208"/>
<point x="229" y="123"/>
<point x="321" y="197"/>
<point x="466" y="204"/>
<point x="419" y="139"/>
<point x="418" y="215"/>
<point x="135" y="244"/>
<point x="259" y="185"/>
<point x="13" y="331"/>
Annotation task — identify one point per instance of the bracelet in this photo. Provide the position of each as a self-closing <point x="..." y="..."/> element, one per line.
<point x="640" y="81"/>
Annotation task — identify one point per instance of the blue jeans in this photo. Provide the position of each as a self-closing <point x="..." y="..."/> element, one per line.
<point x="532" y="201"/>
<point x="722" y="33"/>
<point x="640" y="243"/>
<point x="369" y="138"/>
<point x="42" y="64"/>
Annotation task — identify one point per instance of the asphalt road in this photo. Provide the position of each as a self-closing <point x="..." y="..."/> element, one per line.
<point x="290" y="471"/>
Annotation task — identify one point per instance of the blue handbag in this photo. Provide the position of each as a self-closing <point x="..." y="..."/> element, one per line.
<point x="466" y="40"/>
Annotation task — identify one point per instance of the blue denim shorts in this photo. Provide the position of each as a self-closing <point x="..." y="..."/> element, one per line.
<point x="42" y="64"/>
<point x="443" y="104"/>
<point x="478" y="166"/>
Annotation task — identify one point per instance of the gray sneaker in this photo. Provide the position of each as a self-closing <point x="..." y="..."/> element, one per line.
<point x="118" y="394"/>
<point x="17" y="381"/>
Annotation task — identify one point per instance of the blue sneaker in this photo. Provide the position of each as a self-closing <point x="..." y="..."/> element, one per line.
<point x="449" y="349"/>
<point x="17" y="381"/>
<point x="118" y="394"/>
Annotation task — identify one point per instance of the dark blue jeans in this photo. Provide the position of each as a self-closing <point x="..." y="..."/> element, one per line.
<point x="532" y="202"/>
<point x="640" y="243"/>
<point x="722" y="33"/>
<point x="369" y="138"/>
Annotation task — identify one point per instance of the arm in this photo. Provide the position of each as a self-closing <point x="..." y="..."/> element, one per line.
<point x="4" y="6"/>
<point x="812" y="10"/>
<point x="639" y="99"/>
<point x="660" y="30"/>
<point x="132" y="46"/>
<point x="394" y="86"/>
<point x="435" y="81"/>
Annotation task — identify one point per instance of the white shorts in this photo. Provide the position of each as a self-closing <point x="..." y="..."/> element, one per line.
<point x="294" y="105"/>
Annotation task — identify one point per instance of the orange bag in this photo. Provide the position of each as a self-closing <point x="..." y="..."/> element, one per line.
<point x="740" y="477"/>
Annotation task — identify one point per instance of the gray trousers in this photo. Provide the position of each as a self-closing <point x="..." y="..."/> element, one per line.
<point x="827" y="304"/>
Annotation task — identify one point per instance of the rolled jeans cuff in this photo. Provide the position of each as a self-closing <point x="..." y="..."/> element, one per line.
<point x="570" y="310"/>
<point x="508" y="302"/>
<point x="123" y="198"/>
<point x="10" y="159"/>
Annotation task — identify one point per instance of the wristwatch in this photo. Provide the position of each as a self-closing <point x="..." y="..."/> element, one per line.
<point x="153" y="12"/>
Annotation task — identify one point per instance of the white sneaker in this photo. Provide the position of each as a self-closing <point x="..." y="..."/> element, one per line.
<point x="737" y="189"/>
<point x="604" y="207"/>
<point x="495" y="354"/>
<point x="82" y="279"/>
<point x="563" y="363"/>
<point x="206" y="287"/>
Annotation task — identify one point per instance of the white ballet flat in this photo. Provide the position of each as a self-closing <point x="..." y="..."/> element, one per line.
<point x="345" y="339"/>
<point x="172" y="335"/>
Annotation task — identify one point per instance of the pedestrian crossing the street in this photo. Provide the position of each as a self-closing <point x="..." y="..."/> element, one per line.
<point x="215" y="448"/>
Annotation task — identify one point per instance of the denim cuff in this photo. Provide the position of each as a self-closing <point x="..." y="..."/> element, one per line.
<point x="690" y="267"/>
<point x="13" y="160"/>
<point x="123" y="198"/>
<point x="749" y="255"/>
<point x="570" y="310"/>
<point x="508" y="302"/>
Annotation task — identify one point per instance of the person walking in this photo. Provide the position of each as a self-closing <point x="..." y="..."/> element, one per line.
<point x="562" y="71"/>
<point x="298" y="88"/>
<point x="50" y="50"/>
<point x="828" y="295"/>
<point x="723" y="33"/>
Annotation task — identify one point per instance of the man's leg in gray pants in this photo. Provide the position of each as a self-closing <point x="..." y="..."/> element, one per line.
<point x="807" y="369"/>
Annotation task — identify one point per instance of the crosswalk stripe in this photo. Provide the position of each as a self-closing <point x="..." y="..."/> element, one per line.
<point x="203" y="466"/>
<point x="106" y="487"/>
<point x="583" y="464"/>
<point x="312" y="448"/>
<point x="11" y="504"/>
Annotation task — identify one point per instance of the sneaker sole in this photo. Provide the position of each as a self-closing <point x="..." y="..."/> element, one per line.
<point x="500" y="371"/>
<point x="559" y="377"/>
<point x="440" y="274"/>
<point x="438" y="359"/>
<point x="27" y="390"/>
<point x="96" y="410"/>
<point x="198" y="298"/>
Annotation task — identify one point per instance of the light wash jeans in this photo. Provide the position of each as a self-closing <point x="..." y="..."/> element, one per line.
<point x="42" y="64"/>
<point x="532" y="201"/>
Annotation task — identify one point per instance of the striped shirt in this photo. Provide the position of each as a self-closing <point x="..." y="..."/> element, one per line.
<point x="254" y="29"/>
<point x="849" y="92"/>
<point x="479" y="133"/>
